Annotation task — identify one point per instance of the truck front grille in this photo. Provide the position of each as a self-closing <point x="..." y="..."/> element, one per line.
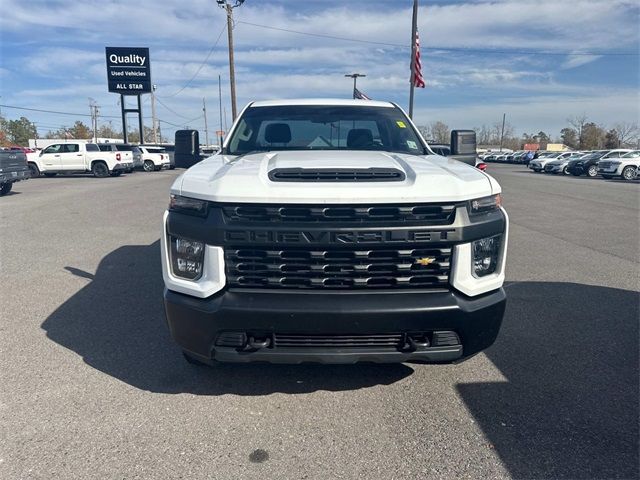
<point x="339" y="268"/>
<point x="425" y="214"/>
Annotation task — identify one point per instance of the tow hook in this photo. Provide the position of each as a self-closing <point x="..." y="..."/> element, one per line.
<point x="256" y="343"/>
<point x="414" y="342"/>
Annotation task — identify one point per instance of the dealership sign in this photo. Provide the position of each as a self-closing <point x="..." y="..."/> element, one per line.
<point x="128" y="70"/>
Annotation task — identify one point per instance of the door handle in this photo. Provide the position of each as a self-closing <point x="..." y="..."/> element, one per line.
<point x="56" y="155"/>
<point x="79" y="155"/>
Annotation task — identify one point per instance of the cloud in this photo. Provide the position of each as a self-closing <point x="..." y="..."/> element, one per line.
<point x="53" y="53"/>
<point x="574" y="61"/>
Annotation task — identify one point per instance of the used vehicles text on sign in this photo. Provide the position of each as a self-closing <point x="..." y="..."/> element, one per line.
<point x="128" y="70"/>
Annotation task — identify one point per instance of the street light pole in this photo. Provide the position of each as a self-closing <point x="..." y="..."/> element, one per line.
<point x="228" y="6"/>
<point x="355" y="79"/>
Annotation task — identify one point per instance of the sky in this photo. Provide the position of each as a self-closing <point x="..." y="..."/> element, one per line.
<point x="540" y="62"/>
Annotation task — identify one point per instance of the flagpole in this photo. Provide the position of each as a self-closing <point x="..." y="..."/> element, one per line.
<point x="414" y="29"/>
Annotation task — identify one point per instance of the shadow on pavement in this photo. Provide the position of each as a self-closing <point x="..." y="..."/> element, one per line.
<point x="569" y="405"/>
<point x="117" y="324"/>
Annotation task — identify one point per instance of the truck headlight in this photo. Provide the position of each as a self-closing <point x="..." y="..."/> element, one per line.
<point x="484" y="204"/>
<point x="187" y="258"/>
<point x="190" y="206"/>
<point x="485" y="255"/>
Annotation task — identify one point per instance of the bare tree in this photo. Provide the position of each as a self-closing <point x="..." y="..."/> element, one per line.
<point x="578" y="122"/>
<point x="440" y="132"/>
<point x="627" y="133"/>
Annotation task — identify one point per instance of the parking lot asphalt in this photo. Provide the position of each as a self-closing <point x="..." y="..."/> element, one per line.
<point x="92" y="386"/>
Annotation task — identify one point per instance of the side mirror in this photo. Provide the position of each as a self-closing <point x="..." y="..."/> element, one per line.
<point x="463" y="146"/>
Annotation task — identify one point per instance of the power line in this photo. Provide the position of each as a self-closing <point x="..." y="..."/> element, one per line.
<point x="446" y="49"/>
<point x="176" y="113"/>
<point x="199" y="68"/>
<point x="56" y="112"/>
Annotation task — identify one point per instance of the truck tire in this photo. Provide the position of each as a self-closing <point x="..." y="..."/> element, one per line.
<point x="33" y="170"/>
<point x="148" y="166"/>
<point x="565" y="171"/>
<point x="5" y="188"/>
<point x="100" y="169"/>
<point x="629" y="173"/>
<point x="116" y="173"/>
<point x="592" y="171"/>
<point x="50" y="174"/>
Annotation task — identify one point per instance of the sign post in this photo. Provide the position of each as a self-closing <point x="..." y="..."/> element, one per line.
<point x="129" y="73"/>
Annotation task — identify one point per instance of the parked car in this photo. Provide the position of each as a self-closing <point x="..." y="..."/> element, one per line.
<point x="77" y="158"/>
<point x="125" y="149"/>
<point x="279" y="251"/>
<point x="151" y="159"/>
<point x="13" y="168"/>
<point x="625" y="167"/>
<point x="538" y="164"/>
<point x="559" y="165"/>
<point x="588" y="165"/>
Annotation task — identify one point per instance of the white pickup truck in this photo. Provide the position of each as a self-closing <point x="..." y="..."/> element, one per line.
<point x="77" y="157"/>
<point x="328" y="231"/>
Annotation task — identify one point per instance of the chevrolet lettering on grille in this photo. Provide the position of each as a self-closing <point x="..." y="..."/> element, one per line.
<point x="329" y="237"/>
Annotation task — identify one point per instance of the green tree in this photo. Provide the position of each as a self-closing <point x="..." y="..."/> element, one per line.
<point x="106" y="130"/>
<point x="19" y="131"/>
<point x="569" y="137"/>
<point x="611" y="139"/>
<point x="593" y="137"/>
<point x="80" y="131"/>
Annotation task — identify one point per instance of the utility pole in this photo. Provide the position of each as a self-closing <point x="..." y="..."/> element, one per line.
<point x="206" y="126"/>
<point x="93" y="109"/>
<point x="355" y="79"/>
<point x="220" y="107"/>
<point x="228" y="6"/>
<point x="154" y="121"/>
<point x="504" y="116"/>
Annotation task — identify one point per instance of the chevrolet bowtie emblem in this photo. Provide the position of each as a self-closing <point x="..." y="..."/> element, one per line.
<point x="425" y="261"/>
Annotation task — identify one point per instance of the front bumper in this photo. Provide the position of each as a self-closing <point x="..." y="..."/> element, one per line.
<point x="14" y="176"/>
<point x="196" y="323"/>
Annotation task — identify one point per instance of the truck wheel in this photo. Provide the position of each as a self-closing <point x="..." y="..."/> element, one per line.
<point x="100" y="170"/>
<point x="5" y="188"/>
<point x="592" y="171"/>
<point x="33" y="170"/>
<point x="117" y="173"/>
<point x="50" y="174"/>
<point x="148" y="166"/>
<point x="629" y="173"/>
<point x="565" y="171"/>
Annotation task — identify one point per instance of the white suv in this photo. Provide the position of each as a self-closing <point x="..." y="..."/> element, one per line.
<point x="625" y="167"/>
<point x="151" y="158"/>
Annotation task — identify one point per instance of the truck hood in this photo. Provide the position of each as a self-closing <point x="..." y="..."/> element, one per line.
<point x="245" y="179"/>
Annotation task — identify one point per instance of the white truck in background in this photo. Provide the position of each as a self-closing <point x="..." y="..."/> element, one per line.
<point x="76" y="157"/>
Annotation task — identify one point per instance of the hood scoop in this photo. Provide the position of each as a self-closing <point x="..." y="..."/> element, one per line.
<point x="336" y="175"/>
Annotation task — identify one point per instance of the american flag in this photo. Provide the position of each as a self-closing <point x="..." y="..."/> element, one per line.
<point x="359" y="95"/>
<point x="418" y="80"/>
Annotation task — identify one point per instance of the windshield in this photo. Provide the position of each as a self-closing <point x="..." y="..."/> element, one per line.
<point x="324" y="127"/>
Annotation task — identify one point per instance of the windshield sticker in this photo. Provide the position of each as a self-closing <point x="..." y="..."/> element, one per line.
<point x="412" y="145"/>
<point x="401" y="124"/>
